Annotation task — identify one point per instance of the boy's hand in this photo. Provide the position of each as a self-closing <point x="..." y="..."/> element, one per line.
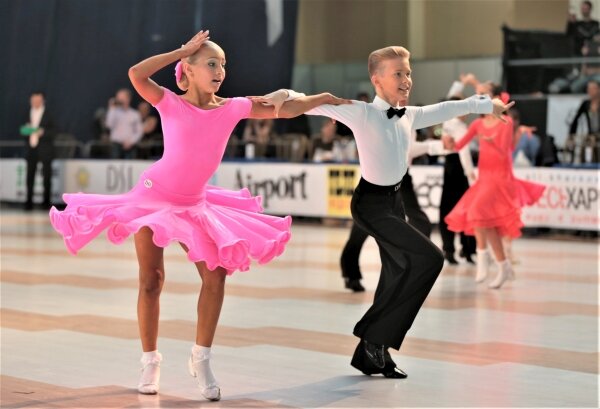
<point x="500" y="107"/>
<point x="274" y="99"/>
<point x="333" y="100"/>
<point x="448" y="142"/>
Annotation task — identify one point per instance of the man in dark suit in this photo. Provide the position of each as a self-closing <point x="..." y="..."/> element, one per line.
<point x="39" y="131"/>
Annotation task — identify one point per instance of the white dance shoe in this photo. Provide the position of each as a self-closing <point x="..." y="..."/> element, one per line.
<point x="505" y="272"/>
<point x="150" y="378"/>
<point x="199" y="368"/>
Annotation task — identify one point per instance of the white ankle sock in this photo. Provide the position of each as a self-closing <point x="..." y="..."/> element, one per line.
<point x="200" y="352"/>
<point x="201" y="359"/>
<point x="150" y="377"/>
<point x="147" y="356"/>
<point x="483" y="260"/>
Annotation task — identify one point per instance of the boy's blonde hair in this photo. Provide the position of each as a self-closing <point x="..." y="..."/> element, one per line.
<point x="387" y="53"/>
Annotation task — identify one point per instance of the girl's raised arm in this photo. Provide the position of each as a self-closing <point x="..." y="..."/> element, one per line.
<point x="140" y="73"/>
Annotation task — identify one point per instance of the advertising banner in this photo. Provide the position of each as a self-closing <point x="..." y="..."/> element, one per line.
<point x="570" y="200"/>
<point x="286" y="188"/>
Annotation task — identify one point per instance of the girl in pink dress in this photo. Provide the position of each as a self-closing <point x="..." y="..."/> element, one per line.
<point x="220" y="230"/>
<point x="491" y="208"/>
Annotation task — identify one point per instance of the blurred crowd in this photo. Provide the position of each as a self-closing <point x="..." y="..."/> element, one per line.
<point x="124" y="132"/>
<point x="121" y="131"/>
<point x="585" y="36"/>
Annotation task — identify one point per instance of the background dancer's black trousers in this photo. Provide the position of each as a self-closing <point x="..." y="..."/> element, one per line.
<point x="416" y="218"/>
<point x="455" y="186"/>
<point x="410" y="264"/>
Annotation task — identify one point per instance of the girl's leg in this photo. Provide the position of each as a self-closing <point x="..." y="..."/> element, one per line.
<point x="210" y="302"/>
<point x="483" y="256"/>
<point x="480" y="238"/>
<point x="495" y="240"/>
<point x="151" y="279"/>
<point x="508" y="250"/>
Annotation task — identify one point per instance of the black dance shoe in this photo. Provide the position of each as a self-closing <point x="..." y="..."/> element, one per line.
<point x="395" y="373"/>
<point x="353" y="285"/>
<point x="391" y="370"/>
<point x="467" y="257"/>
<point x="363" y="363"/>
<point x="375" y="353"/>
<point x="450" y="258"/>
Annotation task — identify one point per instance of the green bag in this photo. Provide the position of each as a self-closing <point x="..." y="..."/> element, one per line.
<point x="27" y="130"/>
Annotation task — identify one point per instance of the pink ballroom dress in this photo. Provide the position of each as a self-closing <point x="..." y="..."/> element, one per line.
<point x="220" y="227"/>
<point x="496" y="198"/>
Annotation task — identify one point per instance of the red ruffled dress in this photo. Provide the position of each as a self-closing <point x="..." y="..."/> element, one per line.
<point x="496" y="198"/>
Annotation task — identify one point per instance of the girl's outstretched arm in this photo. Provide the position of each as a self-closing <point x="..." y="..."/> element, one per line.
<point x="140" y="73"/>
<point x="274" y="105"/>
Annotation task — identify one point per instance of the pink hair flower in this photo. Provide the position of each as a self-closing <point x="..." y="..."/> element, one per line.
<point x="178" y="71"/>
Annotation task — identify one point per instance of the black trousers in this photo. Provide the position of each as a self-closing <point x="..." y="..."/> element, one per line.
<point x="416" y="218"/>
<point x="455" y="186"/>
<point x="410" y="264"/>
<point x="33" y="157"/>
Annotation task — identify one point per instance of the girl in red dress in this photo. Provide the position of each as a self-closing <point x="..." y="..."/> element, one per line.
<point x="491" y="208"/>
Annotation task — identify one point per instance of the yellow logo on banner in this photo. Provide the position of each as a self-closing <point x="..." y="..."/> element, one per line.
<point x="83" y="177"/>
<point x="341" y="183"/>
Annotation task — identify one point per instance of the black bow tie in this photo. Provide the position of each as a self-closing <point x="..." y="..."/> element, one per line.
<point x="393" y="111"/>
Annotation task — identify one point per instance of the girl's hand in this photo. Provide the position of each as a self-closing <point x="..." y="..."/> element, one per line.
<point x="500" y="107"/>
<point x="469" y="79"/>
<point x="194" y="44"/>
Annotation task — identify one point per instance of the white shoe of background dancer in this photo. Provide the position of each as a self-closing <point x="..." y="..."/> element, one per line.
<point x="505" y="272"/>
<point x="199" y="367"/>
<point x="150" y="378"/>
<point x="483" y="265"/>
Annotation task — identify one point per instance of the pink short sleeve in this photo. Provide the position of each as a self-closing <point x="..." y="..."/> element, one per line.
<point x="242" y="107"/>
<point x="166" y="101"/>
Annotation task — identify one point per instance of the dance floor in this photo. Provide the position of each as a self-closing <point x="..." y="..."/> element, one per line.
<point x="69" y="335"/>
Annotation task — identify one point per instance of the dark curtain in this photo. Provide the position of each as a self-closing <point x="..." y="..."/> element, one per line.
<point x="240" y="27"/>
<point x="78" y="51"/>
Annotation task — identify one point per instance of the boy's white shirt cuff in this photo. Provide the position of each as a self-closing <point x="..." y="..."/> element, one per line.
<point x="480" y="104"/>
<point x="292" y="95"/>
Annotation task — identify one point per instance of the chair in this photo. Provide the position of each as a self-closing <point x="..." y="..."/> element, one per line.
<point x="292" y="147"/>
<point x="65" y="146"/>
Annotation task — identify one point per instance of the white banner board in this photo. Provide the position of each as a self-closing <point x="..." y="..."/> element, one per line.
<point x="570" y="200"/>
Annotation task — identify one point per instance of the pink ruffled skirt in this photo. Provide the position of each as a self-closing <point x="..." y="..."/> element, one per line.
<point x="223" y="228"/>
